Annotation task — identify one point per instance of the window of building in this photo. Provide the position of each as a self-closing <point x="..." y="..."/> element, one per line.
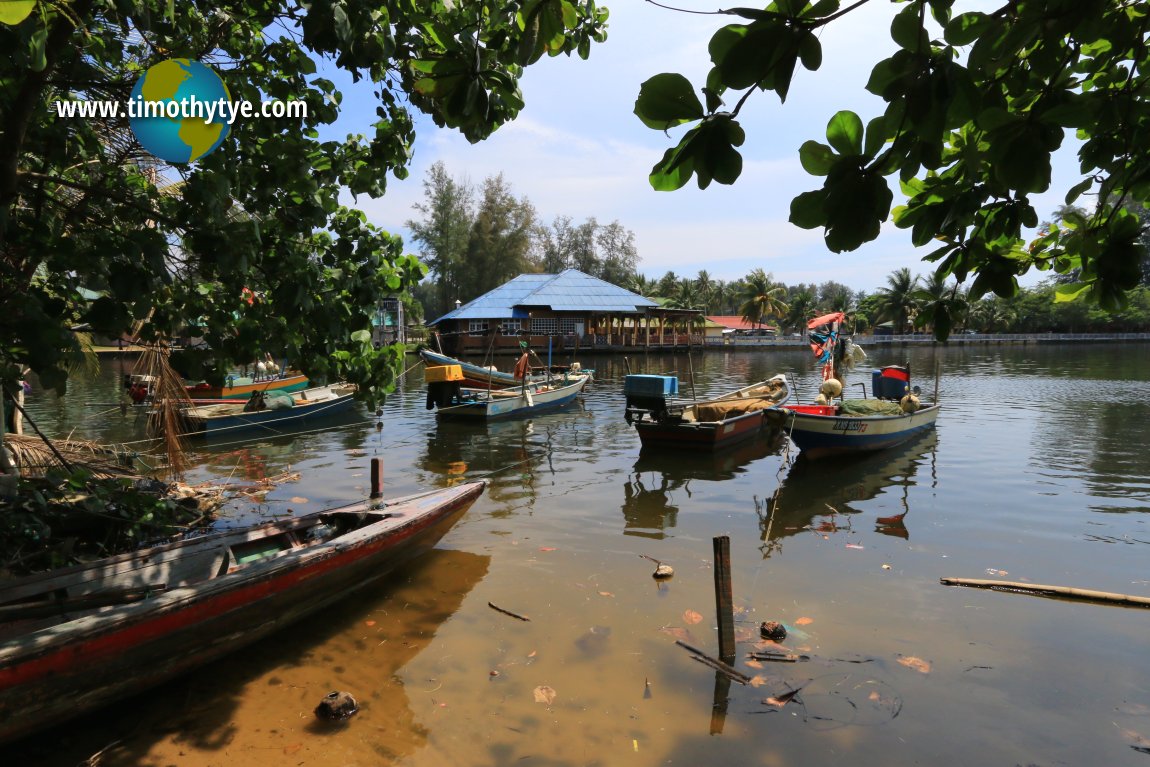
<point x="477" y="327"/>
<point x="510" y="327"/>
<point x="544" y="326"/>
<point x="567" y="326"/>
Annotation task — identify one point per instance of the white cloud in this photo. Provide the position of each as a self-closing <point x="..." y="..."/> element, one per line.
<point x="578" y="150"/>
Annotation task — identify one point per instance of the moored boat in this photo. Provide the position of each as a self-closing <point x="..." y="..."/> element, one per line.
<point x="81" y="637"/>
<point x="712" y="424"/>
<point x="140" y="388"/>
<point x="525" y="399"/>
<point x="479" y="376"/>
<point x="828" y="427"/>
<point x="266" y="410"/>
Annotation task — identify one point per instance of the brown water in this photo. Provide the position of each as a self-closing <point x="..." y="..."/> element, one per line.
<point x="1037" y="470"/>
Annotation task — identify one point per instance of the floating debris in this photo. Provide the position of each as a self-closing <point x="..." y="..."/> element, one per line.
<point x="336" y="707"/>
<point x="773" y="630"/>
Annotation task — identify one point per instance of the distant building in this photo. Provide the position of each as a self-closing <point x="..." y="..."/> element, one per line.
<point x="387" y="326"/>
<point x="565" y="310"/>
<point x="741" y="326"/>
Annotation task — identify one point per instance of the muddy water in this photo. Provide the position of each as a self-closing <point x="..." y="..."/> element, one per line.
<point x="1037" y="472"/>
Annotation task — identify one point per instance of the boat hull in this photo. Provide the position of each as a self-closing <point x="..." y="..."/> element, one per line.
<point x="679" y="425"/>
<point x="820" y="436"/>
<point x="507" y="403"/>
<point x="243" y="391"/>
<point x="714" y="435"/>
<point x="50" y="675"/>
<point x="212" y="421"/>
<point x="473" y="375"/>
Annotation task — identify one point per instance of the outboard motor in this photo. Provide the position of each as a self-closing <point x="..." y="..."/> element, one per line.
<point x="443" y="385"/>
<point x="647" y="396"/>
<point x="891" y="382"/>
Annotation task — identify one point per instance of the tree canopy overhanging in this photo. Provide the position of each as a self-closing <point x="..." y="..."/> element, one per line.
<point x="251" y="245"/>
<point x="977" y="102"/>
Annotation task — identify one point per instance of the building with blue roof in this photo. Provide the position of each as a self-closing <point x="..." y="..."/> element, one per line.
<point x="571" y="307"/>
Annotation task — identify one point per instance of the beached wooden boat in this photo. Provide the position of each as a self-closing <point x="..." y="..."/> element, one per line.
<point x="230" y="418"/>
<point x="524" y="399"/>
<point x="80" y="637"/>
<point x="711" y="424"/>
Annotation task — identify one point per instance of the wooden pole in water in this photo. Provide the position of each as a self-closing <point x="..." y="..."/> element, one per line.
<point x="937" y="370"/>
<point x="691" y="368"/>
<point x="376" y="478"/>
<point x="724" y="600"/>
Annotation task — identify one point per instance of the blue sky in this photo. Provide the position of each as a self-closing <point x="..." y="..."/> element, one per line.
<point x="578" y="150"/>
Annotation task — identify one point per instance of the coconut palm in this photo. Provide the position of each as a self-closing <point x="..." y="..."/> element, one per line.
<point x="706" y="288"/>
<point x="640" y="285"/>
<point x="762" y="297"/>
<point x="685" y="296"/>
<point x="896" y="302"/>
<point x="941" y="307"/>
<point x="802" y="308"/>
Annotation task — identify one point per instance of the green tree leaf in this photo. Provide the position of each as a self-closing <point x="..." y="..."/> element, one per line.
<point x="845" y="133"/>
<point x="667" y="100"/>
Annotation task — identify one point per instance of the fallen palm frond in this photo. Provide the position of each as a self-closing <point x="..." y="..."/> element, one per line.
<point x="34" y="458"/>
<point x="169" y="399"/>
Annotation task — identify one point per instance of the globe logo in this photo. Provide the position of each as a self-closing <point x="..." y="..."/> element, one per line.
<point x="164" y="116"/>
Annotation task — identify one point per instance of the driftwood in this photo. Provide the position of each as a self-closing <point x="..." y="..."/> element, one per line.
<point x="1037" y="589"/>
<point x="508" y="612"/>
<point x="714" y="663"/>
<point x="776" y="657"/>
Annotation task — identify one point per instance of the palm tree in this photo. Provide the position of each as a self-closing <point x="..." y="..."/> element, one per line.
<point x="762" y="297"/>
<point x="640" y="285"/>
<point x="685" y="296"/>
<point x="706" y="287"/>
<point x="896" y="302"/>
<point x="941" y="306"/>
<point x="802" y="308"/>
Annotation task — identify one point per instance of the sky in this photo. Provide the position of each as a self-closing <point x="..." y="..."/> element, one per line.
<point x="578" y="150"/>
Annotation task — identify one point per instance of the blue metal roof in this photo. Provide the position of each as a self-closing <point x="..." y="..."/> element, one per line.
<point x="569" y="291"/>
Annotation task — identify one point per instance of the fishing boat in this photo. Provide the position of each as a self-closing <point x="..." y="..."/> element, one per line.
<point x="713" y="424"/>
<point x="525" y="399"/>
<point x="831" y="427"/>
<point x="267" y="410"/>
<point x="241" y="387"/>
<point x="474" y="375"/>
<point x="141" y="388"/>
<point x="480" y="377"/>
<point x="80" y="637"/>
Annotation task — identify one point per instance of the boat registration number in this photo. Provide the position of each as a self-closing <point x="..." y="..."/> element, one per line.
<point x="858" y="426"/>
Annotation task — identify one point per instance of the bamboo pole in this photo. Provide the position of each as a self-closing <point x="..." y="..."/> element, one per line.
<point x="1049" y="591"/>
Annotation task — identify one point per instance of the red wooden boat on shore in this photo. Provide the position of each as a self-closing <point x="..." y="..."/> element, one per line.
<point x="80" y="637"/>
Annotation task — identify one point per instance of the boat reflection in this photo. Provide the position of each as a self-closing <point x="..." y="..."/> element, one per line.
<point x="511" y="453"/>
<point x="819" y="495"/>
<point x="259" y="700"/>
<point x="271" y="451"/>
<point x="649" y="505"/>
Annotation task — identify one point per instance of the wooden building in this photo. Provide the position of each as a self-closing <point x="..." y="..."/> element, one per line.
<point x="564" y="311"/>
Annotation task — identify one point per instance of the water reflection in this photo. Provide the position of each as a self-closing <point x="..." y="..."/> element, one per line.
<point x="650" y="505"/>
<point x="255" y="705"/>
<point x="819" y="496"/>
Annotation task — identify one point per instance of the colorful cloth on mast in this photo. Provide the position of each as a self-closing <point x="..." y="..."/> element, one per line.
<point x="823" y="343"/>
